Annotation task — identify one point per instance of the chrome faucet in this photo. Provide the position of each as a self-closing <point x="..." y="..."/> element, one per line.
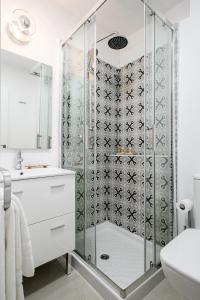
<point x="19" y="161"/>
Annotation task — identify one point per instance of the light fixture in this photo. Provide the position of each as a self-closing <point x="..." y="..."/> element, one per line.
<point x="20" y="26"/>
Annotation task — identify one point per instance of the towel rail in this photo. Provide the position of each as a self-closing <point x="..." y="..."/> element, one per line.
<point x="7" y="187"/>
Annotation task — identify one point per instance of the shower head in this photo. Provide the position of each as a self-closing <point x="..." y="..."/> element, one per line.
<point x="118" y="42"/>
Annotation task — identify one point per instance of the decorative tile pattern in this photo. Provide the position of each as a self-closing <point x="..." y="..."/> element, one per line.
<point x="163" y="147"/>
<point x="117" y="182"/>
<point x="73" y="128"/>
<point x="120" y="123"/>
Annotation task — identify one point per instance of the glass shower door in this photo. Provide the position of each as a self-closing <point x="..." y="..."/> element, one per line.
<point x="90" y="140"/>
<point x="163" y="136"/>
<point x="73" y="126"/>
<point x="159" y="138"/>
<point x="149" y="141"/>
<point x="78" y="134"/>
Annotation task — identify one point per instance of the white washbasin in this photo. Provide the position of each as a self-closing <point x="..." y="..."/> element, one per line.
<point x="38" y="173"/>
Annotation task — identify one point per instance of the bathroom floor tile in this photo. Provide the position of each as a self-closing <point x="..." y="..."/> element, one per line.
<point x="163" y="292"/>
<point x="50" y="283"/>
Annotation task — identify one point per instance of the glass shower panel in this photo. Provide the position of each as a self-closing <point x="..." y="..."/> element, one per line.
<point x="117" y="137"/>
<point x="91" y="208"/>
<point x="149" y="136"/>
<point x="78" y="135"/>
<point x="73" y="125"/>
<point x="158" y="132"/>
<point x="163" y="143"/>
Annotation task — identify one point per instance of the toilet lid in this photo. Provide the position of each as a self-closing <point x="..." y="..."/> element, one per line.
<point x="182" y="254"/>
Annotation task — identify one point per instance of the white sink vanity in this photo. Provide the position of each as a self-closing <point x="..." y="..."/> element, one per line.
<point x="47" y="194"/>
<point x="48" y="198"/>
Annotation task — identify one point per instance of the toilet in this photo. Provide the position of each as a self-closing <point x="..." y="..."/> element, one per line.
<point x="181" y="257"/>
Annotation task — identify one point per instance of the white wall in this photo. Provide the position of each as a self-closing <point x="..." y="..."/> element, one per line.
<point x="179" y="12"/>
<point x="52" y="24"/>
<point x="189" y="101"/>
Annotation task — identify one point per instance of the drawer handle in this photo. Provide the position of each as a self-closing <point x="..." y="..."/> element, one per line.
<point x="57" y="186"/>
<point x="58" y="227"/>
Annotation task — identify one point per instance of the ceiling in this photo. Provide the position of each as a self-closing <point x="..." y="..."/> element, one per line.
<point x="79" y="8"/>
<point x="163" y="5"/>
<point x="123" y="16"/>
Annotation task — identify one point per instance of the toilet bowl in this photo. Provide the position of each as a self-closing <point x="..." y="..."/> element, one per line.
<point x="181" y="263"/>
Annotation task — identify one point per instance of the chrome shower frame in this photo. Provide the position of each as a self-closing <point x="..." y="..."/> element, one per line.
<point x="123" y="293"/>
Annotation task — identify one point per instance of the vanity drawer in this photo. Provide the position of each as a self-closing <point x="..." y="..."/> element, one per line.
<point x="46" y="198"/>
<point x="52" y="238"/>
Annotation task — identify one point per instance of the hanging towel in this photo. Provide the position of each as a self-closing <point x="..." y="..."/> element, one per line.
<point x="16" y="259"/>
<point x="26" y="246"/>
<point x="19" y="258"/>
<point x="2" y="249"/>
<point x="13" y="255"/>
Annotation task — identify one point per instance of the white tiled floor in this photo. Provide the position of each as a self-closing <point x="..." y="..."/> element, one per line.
<point x="50" y="283"/>
<point x="125" y="250"/>
<point x="163" y="292"/>
<point x="125" y="265"/>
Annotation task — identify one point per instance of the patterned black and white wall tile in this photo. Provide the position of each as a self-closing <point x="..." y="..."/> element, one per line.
<point x="116" y="183"/>
<point x="120" y="123"/>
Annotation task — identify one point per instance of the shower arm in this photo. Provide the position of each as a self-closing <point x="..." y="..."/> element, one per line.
<point x="102" y="39"/>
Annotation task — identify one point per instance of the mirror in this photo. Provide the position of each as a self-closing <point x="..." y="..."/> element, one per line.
<point x="25" y="106"/>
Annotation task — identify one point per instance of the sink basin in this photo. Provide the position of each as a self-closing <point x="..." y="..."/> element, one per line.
<point x="38" y="172"/>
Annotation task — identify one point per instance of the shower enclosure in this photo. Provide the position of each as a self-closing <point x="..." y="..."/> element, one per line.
<point x="118" y="135"/>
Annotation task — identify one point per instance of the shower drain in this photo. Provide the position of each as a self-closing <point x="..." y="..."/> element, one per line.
<point x="104" y="256"/>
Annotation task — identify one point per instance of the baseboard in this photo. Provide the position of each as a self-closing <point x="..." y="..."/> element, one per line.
<point x="147" y="286"/>
<point x="98" y="283"/>
<point x="105" y="289"/>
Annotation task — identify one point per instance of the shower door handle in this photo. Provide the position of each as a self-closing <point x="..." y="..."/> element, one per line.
<point x="90" y="102"/>
<point x="90" y="142"/>
<point x="90" y="127"/>
<point x="150" y="139"/>
<point x="90" y="106"/>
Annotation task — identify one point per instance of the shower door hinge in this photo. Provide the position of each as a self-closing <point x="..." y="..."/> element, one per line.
<point x="89" y="258"/>
<point x="151" y="264"/>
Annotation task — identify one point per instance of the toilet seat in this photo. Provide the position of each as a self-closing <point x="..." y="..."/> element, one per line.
<point x="182" y="254"/>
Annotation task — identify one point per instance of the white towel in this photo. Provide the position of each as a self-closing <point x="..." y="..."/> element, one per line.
<point x="2" y="251"/>
<point x="26" y="247"/>
<point x="12" y="255"/>
<point x="18" y="251"/>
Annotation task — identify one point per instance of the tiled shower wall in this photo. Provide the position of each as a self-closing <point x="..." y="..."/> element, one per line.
<point x="119" y="187"/>
<point x="120" y="123"/>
